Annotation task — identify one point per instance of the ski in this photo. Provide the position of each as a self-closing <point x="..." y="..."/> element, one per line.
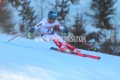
<point x="81" y="54"/>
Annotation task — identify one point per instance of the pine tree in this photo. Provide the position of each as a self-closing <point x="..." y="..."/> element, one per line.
<point x="55" y="6"/>
<point x="103" y="10"/>
<point x="15" y="3"/>
<point x="79" y="25"/>
<point x="5" y="17"/>
<point x="26" y="12"/>
<point x="42" y="6"/>
<point x="62" y="9"/>
<point x="75" y="2"/>
<point x="112" y="44"/>
<point x="78" y="29"/>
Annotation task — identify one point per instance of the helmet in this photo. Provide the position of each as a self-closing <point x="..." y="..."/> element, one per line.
<point x="52" y="15"/>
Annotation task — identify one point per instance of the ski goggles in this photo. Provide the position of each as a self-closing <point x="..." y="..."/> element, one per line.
<point x="53" y="18"/>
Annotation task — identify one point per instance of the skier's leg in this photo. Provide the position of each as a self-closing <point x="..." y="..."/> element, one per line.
<point x="64" y="45"/>
<point x="72" y="48"/>
<point x="54" y="38"/>
<point x="60" y="43"/>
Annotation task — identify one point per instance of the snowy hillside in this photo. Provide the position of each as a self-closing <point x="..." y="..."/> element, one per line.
<point x="24" y="59"/>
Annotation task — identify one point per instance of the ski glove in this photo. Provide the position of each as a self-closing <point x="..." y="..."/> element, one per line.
<point x="29" y="35"/>
<point x="30" y="32"/>
<point x="67" y="32"/>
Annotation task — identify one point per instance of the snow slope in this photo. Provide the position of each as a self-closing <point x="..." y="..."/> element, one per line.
<point x="24" y="59"/>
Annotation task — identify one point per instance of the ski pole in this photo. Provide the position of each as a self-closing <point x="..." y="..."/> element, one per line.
<point x="89" y="46"/>
<point x="13" y="38"/>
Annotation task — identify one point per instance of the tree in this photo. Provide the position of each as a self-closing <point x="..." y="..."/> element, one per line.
<point x="103" y="11"/>
<point x="26" y="12"/>
<point x="78" y="26"/>
<point x="42" y="6"/>
<point x="5" y="17"/>
<point x="75" y="2"/>
<point x="15" y="3"/>
<point x="62" y="8"/>
<point x="78" y="29"/>
<point x="112" y="44"/>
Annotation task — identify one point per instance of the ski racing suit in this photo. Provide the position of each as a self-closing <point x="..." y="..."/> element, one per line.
<point x="46" y="30"/>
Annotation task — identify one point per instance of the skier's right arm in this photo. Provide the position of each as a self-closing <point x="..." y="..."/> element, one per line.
<point x="33" y="29"/>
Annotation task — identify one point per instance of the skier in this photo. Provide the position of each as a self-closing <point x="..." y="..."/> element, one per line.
<point x="46" y="26"/>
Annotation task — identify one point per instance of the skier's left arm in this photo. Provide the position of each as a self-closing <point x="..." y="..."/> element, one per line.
<point x="65" y="30"/>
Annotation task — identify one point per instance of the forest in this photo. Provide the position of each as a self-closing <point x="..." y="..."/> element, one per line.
<point x="102" y="15"/>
